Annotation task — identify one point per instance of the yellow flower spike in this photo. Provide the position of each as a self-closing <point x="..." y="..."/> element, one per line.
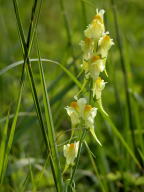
<point x="95" y="49"/>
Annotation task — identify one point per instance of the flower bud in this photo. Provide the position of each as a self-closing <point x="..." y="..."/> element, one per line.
<point x="96" y="28"/>
<point x="98" y="87"/>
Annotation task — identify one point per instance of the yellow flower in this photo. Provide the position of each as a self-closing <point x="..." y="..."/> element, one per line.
<point x="104" y="44"/>
<point x="89" y="115"/>
<point x="96" y="65"/>
<point x="87" y="47"/>
<point x="72" y="111"/>
<point x="70" y="152"/>
<point x="83" y="112"/>
<point x="98" y="86"/>
<point x="76" y="110"/>
<point x="96" y="28"/>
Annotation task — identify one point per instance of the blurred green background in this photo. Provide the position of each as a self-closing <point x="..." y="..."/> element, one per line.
<point x="114" y="164"/>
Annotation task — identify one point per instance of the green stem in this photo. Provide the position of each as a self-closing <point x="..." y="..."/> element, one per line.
<point x="90" y="91"/>
<point x="84" y="13"/>
<point x="68" y="31"/>
<point x="117" y="133"/>
<point x="78" y="156"/>
<point x="94" y="167"/>
<point x="66" y="23"/>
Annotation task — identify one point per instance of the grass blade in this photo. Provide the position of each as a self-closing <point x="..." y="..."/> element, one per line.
<point x="125" y="75"/>
<point x="94" y="167"/>
<point x="3" y="147"/>
<point x="50" y="128"/>
<point x="117" y="133"/>
<point x="11" y="136"/>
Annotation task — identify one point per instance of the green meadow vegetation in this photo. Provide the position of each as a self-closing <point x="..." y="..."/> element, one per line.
<point x="71" y="96"/>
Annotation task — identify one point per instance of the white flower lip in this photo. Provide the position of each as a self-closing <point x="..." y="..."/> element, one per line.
<point x="101" y="11"/>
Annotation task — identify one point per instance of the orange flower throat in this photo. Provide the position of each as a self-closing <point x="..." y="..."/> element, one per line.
<point x="88" y="108"/>
<point x="74" y="105"/>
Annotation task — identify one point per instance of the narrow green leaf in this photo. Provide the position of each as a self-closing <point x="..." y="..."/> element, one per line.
<point x="11" y="136"/>
<point x="50" y="129"/>
<point x="117" y="133"/>
<point x="94" y="166"/>
<point x="3" y="146"/>
<point x="78" y="156"/>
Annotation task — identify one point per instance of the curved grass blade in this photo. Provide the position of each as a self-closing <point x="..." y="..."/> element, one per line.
<point x="13" y="65"/>
<point x="45" y="60"/>
<point x="21" y="114"/>
<point x="50" y="128"/>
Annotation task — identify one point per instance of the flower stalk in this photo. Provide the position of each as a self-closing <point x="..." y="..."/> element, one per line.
<point x="95" y="48"/>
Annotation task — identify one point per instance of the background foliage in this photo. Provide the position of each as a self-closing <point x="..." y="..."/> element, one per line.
<point x="27" y="159"/>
